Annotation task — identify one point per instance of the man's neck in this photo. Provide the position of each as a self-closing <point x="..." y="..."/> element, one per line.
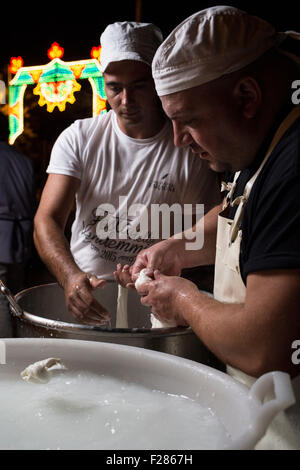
<point x="143" y="130"/>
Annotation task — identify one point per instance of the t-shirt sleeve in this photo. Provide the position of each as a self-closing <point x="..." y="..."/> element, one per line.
<point x="273" y="242"/>
<point x="66" y="155"/>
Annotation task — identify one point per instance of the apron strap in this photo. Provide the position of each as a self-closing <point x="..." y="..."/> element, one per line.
<point x="230" y="187"/>
<point x="294" y="35"/>
<point x="242" y="200"/>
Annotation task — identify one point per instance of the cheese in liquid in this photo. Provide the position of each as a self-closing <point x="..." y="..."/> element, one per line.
<point x="84" y="410"/>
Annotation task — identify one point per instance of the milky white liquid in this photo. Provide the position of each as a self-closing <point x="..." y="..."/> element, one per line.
<point x="89" y="411"/>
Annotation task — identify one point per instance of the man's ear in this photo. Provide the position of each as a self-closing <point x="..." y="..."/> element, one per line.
<point x="248" y="94"/>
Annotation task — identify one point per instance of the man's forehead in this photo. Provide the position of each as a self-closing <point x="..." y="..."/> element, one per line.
<point x="122" y="66"/>
<point x="179" y="103"/>
<point x="125" y="72"/>
<point x="193" y="99"/>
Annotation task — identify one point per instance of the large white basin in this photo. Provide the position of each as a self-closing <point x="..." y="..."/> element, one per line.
<point x="243" y="413"/>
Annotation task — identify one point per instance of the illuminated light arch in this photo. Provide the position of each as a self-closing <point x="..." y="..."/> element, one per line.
<point x="56" y="83"/>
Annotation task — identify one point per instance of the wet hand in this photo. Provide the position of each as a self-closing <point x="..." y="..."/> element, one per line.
<point x="163" y="256"/>
<point x="123" y="276"/>
<point x="167" y="296"/>
<point x="81" y="302"/>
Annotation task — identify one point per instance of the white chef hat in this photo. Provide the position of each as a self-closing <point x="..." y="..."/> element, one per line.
<point x="129" y="40"/>
<point x="211" y="43"/>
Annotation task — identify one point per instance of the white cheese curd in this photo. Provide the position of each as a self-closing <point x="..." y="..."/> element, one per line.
<point x="156" y="323"/>
<point x="142" y="278"/>
<point x="40" y="372"/>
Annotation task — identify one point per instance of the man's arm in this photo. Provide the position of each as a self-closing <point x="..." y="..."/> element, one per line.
<point x="49" y="225"/>
<point x="255" y="337"/>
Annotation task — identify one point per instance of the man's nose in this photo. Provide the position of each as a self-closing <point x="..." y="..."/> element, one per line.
<point x="182" y="138"/>
<point x="127" y="96"/>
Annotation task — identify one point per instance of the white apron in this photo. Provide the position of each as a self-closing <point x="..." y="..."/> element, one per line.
<point x="284" y="432"/>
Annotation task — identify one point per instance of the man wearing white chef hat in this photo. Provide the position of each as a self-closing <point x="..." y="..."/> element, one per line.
<point x="121" y="153"/>
<point x="228" y="81"/>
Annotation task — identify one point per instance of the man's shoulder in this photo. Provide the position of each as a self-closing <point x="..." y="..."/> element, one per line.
<point x="84" y="129"/>
<point x="279" y="179"/>
<point x="95" y="122"/>
<point x="281" y="171"/>
<point x="284" y="162"/>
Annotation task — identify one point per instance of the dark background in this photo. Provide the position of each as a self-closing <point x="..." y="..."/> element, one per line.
<point x="28" y="30"/>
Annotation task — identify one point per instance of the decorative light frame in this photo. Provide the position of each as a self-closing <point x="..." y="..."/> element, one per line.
<point x="52" y="73"/>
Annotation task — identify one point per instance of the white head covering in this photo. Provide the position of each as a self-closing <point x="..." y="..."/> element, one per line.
<point x="209" y="44"/>
<point x="129" y="41"/>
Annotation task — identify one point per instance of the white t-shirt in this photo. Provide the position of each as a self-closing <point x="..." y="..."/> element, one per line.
<point x="118" y="170"/>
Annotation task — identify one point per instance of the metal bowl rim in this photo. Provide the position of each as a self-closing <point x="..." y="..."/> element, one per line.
<point x="64" y="326"/>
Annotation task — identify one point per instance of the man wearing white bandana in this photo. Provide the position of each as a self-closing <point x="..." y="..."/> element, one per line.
<point x="127" y="152"/>
<point x="226" y="80"/>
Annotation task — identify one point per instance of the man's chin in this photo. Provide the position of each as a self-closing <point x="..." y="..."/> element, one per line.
<point x="218" y="167"/>
<point x="131" y="117"/>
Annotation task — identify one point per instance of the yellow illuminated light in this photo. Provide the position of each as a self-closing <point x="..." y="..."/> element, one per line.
<point x="15" y="64"/>
<point x="99" y="104"/>
<point x="55" y="51"/>
<point x="56" y="94"/>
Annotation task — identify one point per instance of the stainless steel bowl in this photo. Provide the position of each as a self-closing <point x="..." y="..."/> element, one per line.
<point x="45" y="315"/>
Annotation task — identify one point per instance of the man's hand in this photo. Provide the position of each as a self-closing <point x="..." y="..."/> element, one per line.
<point x="166" y="296"/>
<point x="123" y="276"/>
<point x="164" y="256"/>
<point x="80" y="300"/>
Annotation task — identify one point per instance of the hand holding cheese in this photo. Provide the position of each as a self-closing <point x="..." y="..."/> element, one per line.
<point x="142" y="278"/>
